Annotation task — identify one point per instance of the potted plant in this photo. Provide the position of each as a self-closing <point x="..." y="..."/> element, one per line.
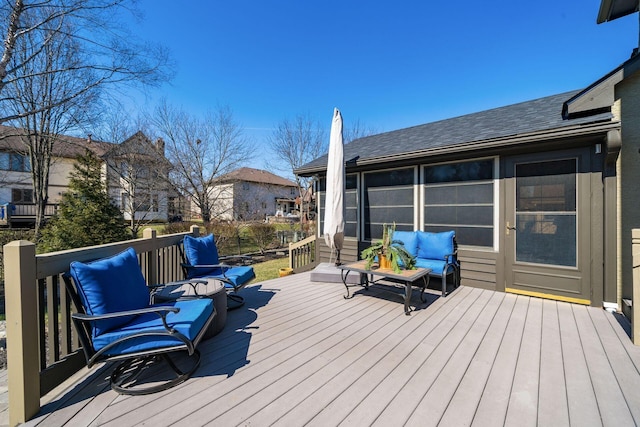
<point x="389" y="253"/>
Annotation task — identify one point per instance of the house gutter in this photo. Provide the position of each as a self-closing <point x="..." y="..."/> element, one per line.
<point x="501" y="142"/>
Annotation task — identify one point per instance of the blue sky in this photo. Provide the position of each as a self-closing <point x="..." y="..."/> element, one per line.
<point x="389" y="65"/>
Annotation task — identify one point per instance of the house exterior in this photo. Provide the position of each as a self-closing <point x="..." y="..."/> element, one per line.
<point x="543" y="194"/>
<point x="252" y="194"/>
<point x="136" y="154"/>
<point x="136" y="172"/>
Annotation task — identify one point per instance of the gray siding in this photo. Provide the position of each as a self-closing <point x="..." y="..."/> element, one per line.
<point x="478" y="268"/>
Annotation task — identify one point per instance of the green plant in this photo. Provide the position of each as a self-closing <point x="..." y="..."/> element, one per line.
<point x="86" y="216"/>
<point x="263" y="235"/>
<point x="393" y="250"/>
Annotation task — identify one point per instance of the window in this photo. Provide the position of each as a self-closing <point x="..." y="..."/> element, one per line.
<point x="154" y="202"/>
<point x="459" y="196"/>
<point x="350" y="204"/>
<point x="147" y="202"/>
<point x="546" y="216"/>
<point x="14" y="162"/>
<point x="388" y="198"/>
<point x="21" y="195"/>
<point x="124" y="202"/>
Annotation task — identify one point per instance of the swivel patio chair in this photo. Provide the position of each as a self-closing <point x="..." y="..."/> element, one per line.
<point x="201" y="261"/>
<point x="116" y="321"/>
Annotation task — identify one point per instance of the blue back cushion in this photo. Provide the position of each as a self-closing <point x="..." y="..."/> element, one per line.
<point x="201" y="251"/>
<point x="410" y="240"/>
<point x="109" y="285"/>
<point x="435" y="245"/>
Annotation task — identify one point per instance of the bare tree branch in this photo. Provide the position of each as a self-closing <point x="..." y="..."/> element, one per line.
<point x="201" y="150"/>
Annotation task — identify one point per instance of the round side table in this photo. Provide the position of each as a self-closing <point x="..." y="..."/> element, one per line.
<point x="217" y="291"/>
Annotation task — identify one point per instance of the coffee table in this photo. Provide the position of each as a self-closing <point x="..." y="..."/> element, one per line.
<point x="418" y="277"/>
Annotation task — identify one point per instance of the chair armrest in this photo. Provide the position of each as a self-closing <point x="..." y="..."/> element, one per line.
<point x="160" y="310"/>
<point x="449" y="258"/>
<point x="222" y="258"/>
<point x="223" y="267"/>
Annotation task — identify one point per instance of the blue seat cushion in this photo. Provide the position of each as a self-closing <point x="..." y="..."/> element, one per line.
<point x="238" y="276"/>
<point x="435" y="245"/>
<point x="409" y="240"/>
<point x="109" y="285"/>
<point x="188" y="321"/>
<point x="201" y="251"/>
<point x="436" y="266"/>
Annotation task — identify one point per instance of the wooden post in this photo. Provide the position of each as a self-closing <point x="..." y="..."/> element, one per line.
<point x="152" y="261"/>
<point x="195" y="231"/>
<point x="22" y="331"/>
<point x="635" y="293"/>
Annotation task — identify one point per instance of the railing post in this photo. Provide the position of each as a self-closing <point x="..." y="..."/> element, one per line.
<point x="22" y="331"/>
<point x="152" y="260"/>
<point x="291" y="256"/>
<point x="195" y="231"/>
<point x="635" y="292"/>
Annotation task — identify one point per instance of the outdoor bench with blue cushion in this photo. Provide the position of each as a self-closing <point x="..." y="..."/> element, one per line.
<point x="437" y="251"/>
<point x="117" y="321"/>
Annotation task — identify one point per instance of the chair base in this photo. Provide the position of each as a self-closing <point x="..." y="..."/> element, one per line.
<point x="125" y="378"/>
<point x="234" y="301"/>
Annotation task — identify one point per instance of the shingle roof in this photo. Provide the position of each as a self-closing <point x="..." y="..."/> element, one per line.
<point x="256" y="175"/>
<point x="65" y="146"/>
<point x="517" y="119"/>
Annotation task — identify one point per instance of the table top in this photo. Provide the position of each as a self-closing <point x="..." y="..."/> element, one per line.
<point x="410" y="275"/>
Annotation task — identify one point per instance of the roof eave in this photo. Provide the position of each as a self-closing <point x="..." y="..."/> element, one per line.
<point x="502" y="142"/>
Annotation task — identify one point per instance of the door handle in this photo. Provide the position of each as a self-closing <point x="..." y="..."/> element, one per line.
<point x="509" y="228"/>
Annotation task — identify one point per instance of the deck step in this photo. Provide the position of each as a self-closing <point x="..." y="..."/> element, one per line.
<point x="329" y="273"/>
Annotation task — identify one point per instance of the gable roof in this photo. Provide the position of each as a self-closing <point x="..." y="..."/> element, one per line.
<point x="600" y="95"/>
<point x="541" y="115"/>
<point x="255" y="175"/>
<point x="614" y="9"/>
<point x="65" y="146"/>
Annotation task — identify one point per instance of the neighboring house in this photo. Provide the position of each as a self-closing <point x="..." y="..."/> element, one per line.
<point x="16" y="190"/>
<point x="543" y="194"/>
<point x="137" y="170"/>
<point x="252" y="194"/>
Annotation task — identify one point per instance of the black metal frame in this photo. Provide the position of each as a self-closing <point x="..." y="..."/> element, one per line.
<point x="366" y="279"/>
<point x="451" y="260"/>
<point x="126" y="373"/>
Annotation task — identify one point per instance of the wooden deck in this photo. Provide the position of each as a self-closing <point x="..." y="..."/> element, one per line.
<point x="298" y="353"/>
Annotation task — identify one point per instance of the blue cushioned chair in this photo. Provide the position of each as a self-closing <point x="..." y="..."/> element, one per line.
<point x="116" y="321"/>
<point x="201" y="261"/>
<point x="437" y="251"/>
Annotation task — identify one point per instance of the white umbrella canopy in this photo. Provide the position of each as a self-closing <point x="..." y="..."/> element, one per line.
<point x="334" y="198"/>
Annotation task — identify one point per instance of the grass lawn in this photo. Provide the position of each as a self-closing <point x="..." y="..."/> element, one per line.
<point x="269" y="269"/>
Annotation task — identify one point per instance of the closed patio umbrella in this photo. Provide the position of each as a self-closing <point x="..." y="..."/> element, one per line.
<point x="334" y="198"/>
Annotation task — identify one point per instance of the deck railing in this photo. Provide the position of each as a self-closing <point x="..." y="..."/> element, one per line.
<point x="302" y="254"/>
<point x="42" y="346"/>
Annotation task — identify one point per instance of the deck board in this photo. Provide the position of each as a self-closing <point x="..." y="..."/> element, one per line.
<point x="553" y="408"/>
<point x="493" y="404"/>
<point x="581" y="398"/>
<point x="298" y="353"/>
